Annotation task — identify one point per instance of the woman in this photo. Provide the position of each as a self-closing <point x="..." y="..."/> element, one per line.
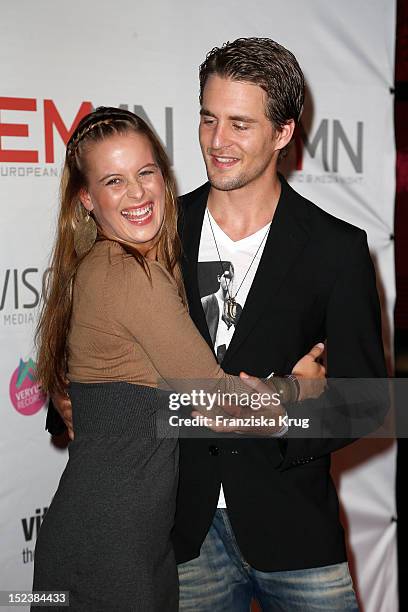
<point x="116" y="325"/>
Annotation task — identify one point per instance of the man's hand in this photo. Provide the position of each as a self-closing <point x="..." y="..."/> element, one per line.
<point x="310" y="373"/>
<point x="62" y="404"/>
<point x="270" y="416"/>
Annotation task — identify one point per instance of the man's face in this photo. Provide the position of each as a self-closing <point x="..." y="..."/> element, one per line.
<point x="237" y="140"/>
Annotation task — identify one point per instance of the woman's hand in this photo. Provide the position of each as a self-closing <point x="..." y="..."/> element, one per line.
<point x="310" y="373"/>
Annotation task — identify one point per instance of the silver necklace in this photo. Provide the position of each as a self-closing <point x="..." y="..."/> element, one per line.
<point x="231" y="312"/>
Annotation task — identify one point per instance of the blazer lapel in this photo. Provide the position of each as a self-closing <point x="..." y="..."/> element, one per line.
<point x="287" y="238"/>
<point x="191" y="222"/>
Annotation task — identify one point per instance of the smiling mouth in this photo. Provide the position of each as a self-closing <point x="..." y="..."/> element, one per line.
<point x="138" y="214"/>
<point x="223" y="161"/>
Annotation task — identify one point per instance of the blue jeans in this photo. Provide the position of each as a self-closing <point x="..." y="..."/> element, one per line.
<point x="220" y="580"/>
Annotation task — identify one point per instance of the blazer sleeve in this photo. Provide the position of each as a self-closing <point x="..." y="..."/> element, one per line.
<point x="350" y="408"/>
<point x="54" y="423"/>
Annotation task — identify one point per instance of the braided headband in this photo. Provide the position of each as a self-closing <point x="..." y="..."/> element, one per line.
<point x="73" y="144"/>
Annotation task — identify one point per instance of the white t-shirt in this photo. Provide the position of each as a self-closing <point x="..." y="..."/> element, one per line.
<point x="238" y="278"/>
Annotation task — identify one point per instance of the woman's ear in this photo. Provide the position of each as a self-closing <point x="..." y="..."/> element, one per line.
<point x="86" y="199"/>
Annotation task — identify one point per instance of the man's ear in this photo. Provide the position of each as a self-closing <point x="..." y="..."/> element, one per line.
<point x="284" y="135"/>
<point x="86" y="199"/>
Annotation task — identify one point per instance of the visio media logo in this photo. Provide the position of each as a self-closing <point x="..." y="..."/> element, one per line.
<point x="20" y="291"/>
<point x="51" y="122"/>
<point x="25" y="392"/>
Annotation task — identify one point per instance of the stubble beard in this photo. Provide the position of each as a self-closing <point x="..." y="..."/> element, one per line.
<point x="235" y="182"/>
<point x="228" y="184"/>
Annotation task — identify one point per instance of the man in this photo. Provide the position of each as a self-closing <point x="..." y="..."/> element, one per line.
<point x="301" y="276"/>
<point x="215" y="305"/>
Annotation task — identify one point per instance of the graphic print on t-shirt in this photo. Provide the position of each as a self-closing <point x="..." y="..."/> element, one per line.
<point x="244" y="256"/>
<point x="216" y="285"/>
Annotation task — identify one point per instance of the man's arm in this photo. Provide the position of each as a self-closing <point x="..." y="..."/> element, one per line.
<point x="59" y="416"/>
<point x="354" y="351"/>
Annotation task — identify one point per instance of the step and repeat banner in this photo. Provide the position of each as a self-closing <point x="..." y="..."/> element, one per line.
<point x="60" y="60"/>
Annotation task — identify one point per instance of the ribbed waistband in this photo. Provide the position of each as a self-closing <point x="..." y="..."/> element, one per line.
<point x="119" y="408"/>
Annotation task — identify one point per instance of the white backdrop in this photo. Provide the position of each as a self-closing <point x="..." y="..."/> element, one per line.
<point x="58" y="60"/>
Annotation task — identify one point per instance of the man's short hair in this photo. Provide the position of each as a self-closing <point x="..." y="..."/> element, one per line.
<point x="265" y="63"/>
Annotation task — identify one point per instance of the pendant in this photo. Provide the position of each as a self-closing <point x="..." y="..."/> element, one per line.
<point x="230" y="312"/>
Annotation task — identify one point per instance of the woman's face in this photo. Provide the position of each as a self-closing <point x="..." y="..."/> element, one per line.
<point x="125" y="190"/>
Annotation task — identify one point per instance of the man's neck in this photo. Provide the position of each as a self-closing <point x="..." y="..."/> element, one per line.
<point x="242" y="212"/>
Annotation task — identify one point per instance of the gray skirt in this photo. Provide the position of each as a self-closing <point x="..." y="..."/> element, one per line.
<point x="106" y="535"/>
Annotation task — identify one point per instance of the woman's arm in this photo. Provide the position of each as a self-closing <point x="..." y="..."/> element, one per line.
<point x="153" y="313"/>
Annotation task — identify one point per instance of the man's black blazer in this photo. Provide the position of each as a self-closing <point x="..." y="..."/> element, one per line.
<point x="315" y="281"/>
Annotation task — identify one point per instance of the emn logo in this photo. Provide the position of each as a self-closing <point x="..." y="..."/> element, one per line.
<point x="53" y="121"/>
<point x="330" y="133"/>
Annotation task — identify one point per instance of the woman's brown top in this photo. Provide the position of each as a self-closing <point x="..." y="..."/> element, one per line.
<point x="126" y="327"/>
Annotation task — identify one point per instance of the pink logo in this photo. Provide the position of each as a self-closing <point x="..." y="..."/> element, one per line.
<point x="25" y="393"/>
